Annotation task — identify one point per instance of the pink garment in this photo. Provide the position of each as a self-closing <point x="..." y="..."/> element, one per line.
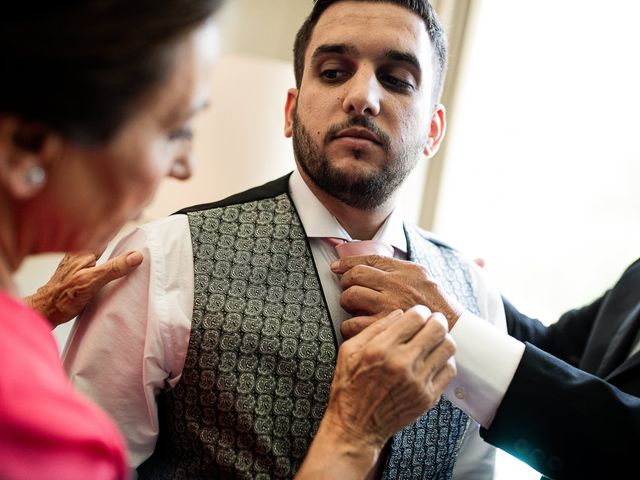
<point x="345" y="248"/>
<point x="47" y="429"/>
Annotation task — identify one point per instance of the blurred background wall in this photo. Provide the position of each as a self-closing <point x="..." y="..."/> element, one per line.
<point x="539" y="169"/>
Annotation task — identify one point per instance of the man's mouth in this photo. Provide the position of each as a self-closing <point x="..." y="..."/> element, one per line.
<point x="358" y="134"/>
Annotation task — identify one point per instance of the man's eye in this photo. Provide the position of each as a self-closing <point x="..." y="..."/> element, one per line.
<point x="333" y="74"/>
<point x="395" y="83"/>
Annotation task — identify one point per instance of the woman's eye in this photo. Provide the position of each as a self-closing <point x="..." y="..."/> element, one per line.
<point x="185" y="133"/>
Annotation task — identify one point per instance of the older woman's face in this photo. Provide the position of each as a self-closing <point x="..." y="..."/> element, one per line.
<point x="93" y="192"/>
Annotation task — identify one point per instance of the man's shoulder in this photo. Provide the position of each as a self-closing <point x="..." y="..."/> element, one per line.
<point x="268" y="190"/>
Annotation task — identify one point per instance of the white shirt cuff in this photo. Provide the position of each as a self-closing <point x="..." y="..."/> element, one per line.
<point x="486" y="360"/>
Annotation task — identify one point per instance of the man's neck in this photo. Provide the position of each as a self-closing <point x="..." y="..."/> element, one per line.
<point x="360" y="224"/>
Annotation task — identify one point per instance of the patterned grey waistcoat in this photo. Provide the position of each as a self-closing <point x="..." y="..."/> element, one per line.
<point x="262" y="352"/>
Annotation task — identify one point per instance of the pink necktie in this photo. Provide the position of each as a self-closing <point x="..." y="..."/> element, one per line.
<point x="354" y="248"/>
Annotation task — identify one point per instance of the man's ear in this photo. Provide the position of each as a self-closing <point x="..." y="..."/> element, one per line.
<point x="26" y="152"/>
<point x="289" y="109"/>
<point x="436" y="130"/>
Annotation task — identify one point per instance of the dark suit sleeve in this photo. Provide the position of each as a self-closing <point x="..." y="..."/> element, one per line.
<point x="566" y="339"/>
<point x="566" y="423"/>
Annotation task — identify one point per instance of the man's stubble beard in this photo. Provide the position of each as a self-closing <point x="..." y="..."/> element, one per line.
<point x="363" y="191"/>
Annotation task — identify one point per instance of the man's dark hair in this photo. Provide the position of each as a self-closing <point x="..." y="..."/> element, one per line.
<point x="81" y="67"/>
<point x="422" y="8"/>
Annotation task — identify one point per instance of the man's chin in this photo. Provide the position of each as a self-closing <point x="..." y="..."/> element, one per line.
<point x="368" y="159"/>
<point x="352" y="172"/>
<point x="361" y="191"/>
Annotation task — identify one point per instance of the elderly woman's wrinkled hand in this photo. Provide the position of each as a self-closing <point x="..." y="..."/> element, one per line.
<point x="391" y="373"/>
<point x="386" y="377"/>
<point x="76" y="281"/>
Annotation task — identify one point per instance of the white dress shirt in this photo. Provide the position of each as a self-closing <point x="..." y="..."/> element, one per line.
<point x="131" y="344"/>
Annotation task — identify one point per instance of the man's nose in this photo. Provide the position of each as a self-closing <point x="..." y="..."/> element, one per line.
<point x="364" y="94"/>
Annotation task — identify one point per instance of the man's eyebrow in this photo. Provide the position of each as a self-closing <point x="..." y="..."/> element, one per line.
<point x="339" y="48"/>
<point x="404" y="57"/>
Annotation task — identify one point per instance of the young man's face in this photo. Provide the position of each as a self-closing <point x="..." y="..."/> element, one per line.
<point x="363" y="114"/>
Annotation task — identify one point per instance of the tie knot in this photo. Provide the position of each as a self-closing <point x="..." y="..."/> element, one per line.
<point x="354" y="248"/>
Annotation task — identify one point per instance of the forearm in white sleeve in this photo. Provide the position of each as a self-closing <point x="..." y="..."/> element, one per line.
<point x="486" y="356"/>
<point x="486" y="360"/>
<point x="131" y="343"/>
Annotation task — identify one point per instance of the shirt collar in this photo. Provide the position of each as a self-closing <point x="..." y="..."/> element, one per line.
<point x="319" y="222"/>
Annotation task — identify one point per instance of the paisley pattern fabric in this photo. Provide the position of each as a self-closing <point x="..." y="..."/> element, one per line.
<point x="262" y="355"/>
<point x="427" y="448"/>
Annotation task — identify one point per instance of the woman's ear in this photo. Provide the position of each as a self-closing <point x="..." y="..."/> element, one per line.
<point x="27" y="150"/>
